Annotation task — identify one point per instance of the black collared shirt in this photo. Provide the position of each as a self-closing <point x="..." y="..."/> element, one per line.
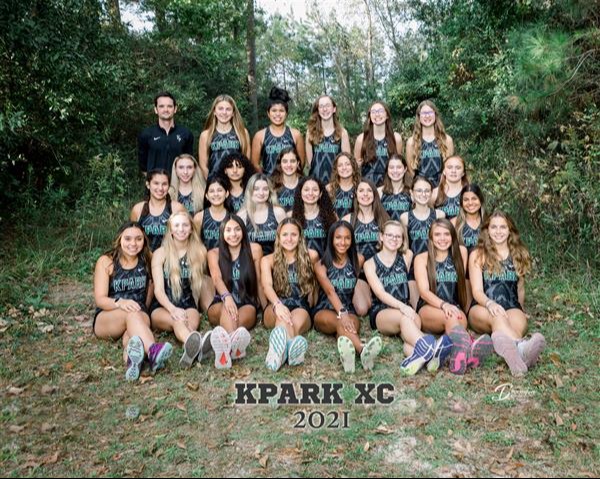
<point x="158" y="149"/>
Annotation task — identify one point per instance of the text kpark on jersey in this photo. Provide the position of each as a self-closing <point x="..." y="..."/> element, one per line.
<point x="311" y="393"/>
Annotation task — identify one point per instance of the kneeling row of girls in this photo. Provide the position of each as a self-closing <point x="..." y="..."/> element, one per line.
<point x="429" y="299"/>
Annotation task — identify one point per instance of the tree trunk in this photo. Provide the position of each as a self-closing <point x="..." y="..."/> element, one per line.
<point x="370" y="69"/>
<point x="251" y="55"/>
<point x="114" y="14"/>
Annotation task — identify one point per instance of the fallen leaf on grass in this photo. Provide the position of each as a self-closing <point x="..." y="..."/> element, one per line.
<point x="382" y="429"/>
<point x="181" y="406"/>
<point x="16" y="429"/>
<point x="192" y="386"/>
<point x="14" y="391"/>
<point x="555" y="358"/>
<point x="45" y="328"/>
<point x="181" y="445"/>
<point x="49" y="389"/>
<point x="110" y="368"/>
<point x="47" y="427"/>
<point x="146" y="379"/>
<point x="558" y="419"/>
<point x="263" y="461"/>
<point x="367" y="447"/>
<point x="559" y="383"/>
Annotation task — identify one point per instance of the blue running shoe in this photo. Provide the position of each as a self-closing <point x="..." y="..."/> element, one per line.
<point x="135" y="358"/>
<point x="423" y="352"/>
<point x="443" y="347"/>
<point x="277" y="348"/>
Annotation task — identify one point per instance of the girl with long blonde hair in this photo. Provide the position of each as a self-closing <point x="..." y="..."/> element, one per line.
<point x="187" y="183"/>
<point x="224" y="133"/>
<point x="178" y="268"/>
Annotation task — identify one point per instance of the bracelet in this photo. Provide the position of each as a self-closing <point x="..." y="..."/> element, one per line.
<point x="224" y="295"/>
<point x="341" y="312"/>
<point x="275" y="304"/>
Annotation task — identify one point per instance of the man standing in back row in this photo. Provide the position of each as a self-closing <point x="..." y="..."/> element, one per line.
<point x="160" y="144"/>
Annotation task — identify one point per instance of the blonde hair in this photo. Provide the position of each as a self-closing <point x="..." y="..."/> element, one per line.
<point x="249" y="204"/>
<point x="304" y="267"/>
<point x="439" y="131"/>
<point x="198" y="182"/>
<point x="236" y="121"/>
<point x="441" y="197"/>
<point x="196" y="258"/>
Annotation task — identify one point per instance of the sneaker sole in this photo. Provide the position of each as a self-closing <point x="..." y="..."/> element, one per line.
<point x="507" y="349"/>
<point x="347" y="354"/>
<point x="221" y="344"/>
<point x="480" y="350"/>
<point x="135" y="353"/>
<point x="461" y="345"/>
<point x="191" y="349"/>
<point x="277" y="347"/>
<point x="240" y="339"/>
<point x="538" y="343"/>
<point x="206" y="347"/>
<point x="297" y="351"/>
<point x="370" y="352"/>
<point x="440" y="353"/>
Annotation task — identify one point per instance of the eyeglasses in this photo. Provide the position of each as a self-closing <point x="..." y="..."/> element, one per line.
<point x="422" y="192"/>
<point x="392" y="237"/>
<point x="378" y="111"/>
<point x="427" y="113"/>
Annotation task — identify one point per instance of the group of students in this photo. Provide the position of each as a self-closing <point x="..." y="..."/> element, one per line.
<point x="243" y="234"/>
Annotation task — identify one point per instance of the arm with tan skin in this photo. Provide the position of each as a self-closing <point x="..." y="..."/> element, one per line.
<point x="439" y="214"/>
<point x="203" y="153"/>
<point x="299" y="145"/>
<point x="309" y="152"/>
<point x="257" y="255"/>
<point x="386" y="298"/>
<point x="257" y="143"/>
<point x="358" y="149"/>
<point x="266" y="275"/>
<point x="177" y="207"/>
<point x="399" y="145"/>
<point x="476" y="280"/>
<point x="220" y="287"/>
<point x="449" y="145"/>
<point x="521" y="292"/>
<point x="345" y="141"/>
<point x="136" y="211"/>
<point x="158" y="260"/>
<point x="404" y="219"/>
<point x="410" y="154"/>
<point x="449" y="310"/>
<point x="198" y="218"/>
<point x="280" y="214"/>
<point x="150" y="294"/>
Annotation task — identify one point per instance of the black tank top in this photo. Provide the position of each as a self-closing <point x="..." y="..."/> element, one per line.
<point x="129" y="283"/>
<point x="366" y="236"/>
<point x="343" y="281"/>
<point x="187" y="298"/>
<point x="430" y="162"/>
<point x="450" y="206"/>
<point x="264" y="233"/>
<point x="394" y="280"/>
<point x="323" y="155"/>
<point x="236" y="202"/>
<point x="186" y="201"/>
<point x="503" y="287"/>
<point x="155" y="226"/>
<point x="446" y="280"/>
<point x="375" y="170"/>
<point x="285" y="196"/>
<point x="315" y="234"/>
<point x="418" y="231"/>
<point x="470" y="236"/>
<point x="344" y="202"/>
<point x="295" y="300"/>
<point x="272" y="146"/>
<point x="210" y="233"/>
<point x="396" y="204"/>
<point x="221" y="146"/>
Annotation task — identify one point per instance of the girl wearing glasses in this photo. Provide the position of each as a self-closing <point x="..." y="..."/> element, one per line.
<point x="325" y="138"/>
<point x="377" y="143"/>
<point x="429" y="145"/>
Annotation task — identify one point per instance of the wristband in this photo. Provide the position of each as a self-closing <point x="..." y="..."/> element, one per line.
<point x="275" y="304"/>
<point x="341" y="312"/>
<point x="224" y="295"/>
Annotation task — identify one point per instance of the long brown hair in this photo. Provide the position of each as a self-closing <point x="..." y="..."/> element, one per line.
<point x="115" y="252"/>
<point x="334" y="183"/>
<point x="314" y="129"/>
<point x="461" y="219"/>
<point x="381" y="216"/>
<point x="388" y="188"/>
<point x="489" y="258"/>
<point x="368" y="151"/>
<point x="439" y="131"/>
<point x="304" y="267"/>
<point x="456" y="259"/>
<point x="277" y="176"/>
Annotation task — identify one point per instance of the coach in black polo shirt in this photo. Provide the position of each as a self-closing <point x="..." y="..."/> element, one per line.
<point x="159" y="145"/>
